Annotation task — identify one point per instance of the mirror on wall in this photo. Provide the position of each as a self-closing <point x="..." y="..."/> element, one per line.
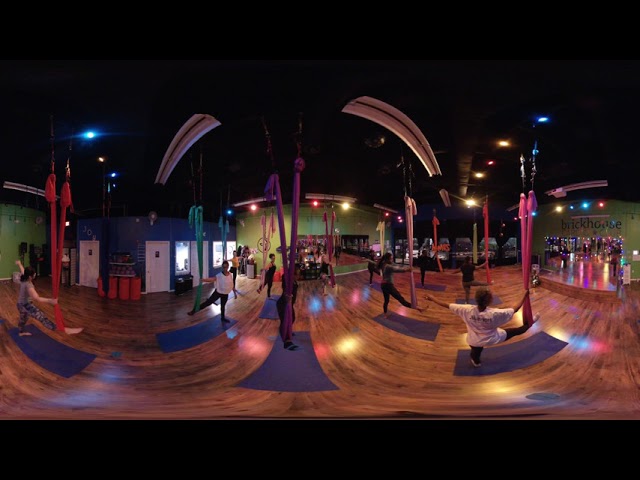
<point x="183" y="266"/>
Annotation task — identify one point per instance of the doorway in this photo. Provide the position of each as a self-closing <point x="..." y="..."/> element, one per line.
<point x="157" y="266"/>
<point x="89" y="263"/>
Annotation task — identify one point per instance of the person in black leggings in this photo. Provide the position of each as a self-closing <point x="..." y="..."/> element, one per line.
<point x="387" y="286"/>
<point x="268" y="277"/>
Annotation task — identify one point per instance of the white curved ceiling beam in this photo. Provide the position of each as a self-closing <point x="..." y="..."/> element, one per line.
<point x="397" y="122"/>
<point x="25" y="188"/>
<point x="562" y="191"/>
<point x="194" y="128"/>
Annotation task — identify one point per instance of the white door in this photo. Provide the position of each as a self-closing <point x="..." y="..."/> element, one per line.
<point x="89" y="263"/>
<point x="193" y="258"/>
<point x="157" y="267"/>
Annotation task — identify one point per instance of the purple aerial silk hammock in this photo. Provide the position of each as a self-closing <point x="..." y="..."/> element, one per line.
<point x="410" y="211"/>
<point x="527" y="207"/>
<point x="286" y="327"/>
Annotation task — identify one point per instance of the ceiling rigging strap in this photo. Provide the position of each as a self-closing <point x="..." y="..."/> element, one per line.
<point x="298" y="136"/>
<point x="485" y="214"/>
<point x="407" y="174"/>
<point x="534" y="154"/>
<point x="267" y="136"/>
<point x="196" y="221"/>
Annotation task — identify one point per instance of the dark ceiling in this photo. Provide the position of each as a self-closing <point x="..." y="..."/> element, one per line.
<point x="462" y="106"/>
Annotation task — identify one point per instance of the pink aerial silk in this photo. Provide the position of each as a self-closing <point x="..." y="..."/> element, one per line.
<point x="527" y="207"/>
<point x="267" y="233"/>
<point x="328" y="239"/>
<point x="380" y="228"/>
<point x="410" y="211"/>
<point x="485" y="214"/>
<point x="436" y="222"/>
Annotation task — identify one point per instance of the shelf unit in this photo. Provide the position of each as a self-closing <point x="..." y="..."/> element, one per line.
<point x="126" y="264"/>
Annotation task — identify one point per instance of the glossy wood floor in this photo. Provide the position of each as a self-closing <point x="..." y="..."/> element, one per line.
<point x="379" y="373"/>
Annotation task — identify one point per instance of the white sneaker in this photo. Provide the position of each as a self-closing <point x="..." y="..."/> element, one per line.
<point x="474" y="363"/>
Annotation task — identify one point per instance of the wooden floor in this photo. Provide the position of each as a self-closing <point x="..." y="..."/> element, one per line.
<point x="379" y="373"/>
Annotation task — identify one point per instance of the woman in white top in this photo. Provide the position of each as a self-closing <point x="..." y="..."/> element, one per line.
<point x="224" y="286"/>
<point x="484" y="322"/>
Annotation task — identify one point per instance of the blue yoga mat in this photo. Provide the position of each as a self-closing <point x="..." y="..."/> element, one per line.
<point x="472" y="301"/>
<point x="434" y="287"/>
<point x="290" y="371"/>
<point x="269" y="309"/>
<point x="194" y="335"/>
<point x="509" y="356"/>
<point x="408" y="326"/>
<point x="51" y="354"/>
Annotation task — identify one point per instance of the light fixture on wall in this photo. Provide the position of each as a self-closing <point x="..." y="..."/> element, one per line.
<point x="153" y="216"/>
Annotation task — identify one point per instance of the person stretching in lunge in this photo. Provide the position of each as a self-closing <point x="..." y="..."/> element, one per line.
<point x="224" y="286"/>
<point x="27" y="309"/>
<point x="484" y="322"/>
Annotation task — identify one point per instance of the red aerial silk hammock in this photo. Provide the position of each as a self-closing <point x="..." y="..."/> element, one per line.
<point x="57" y="238"/>
<point x="328" y="239"/>
<point x="436" y="222"/>
<point x="410" y="211"/>
<point x="485" y="214"/>
<point x="527" y="207"/>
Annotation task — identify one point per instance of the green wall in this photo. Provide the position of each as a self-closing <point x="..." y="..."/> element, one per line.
<point x="358" y="220"/>
<point x="31" y="227"/>
<point x="615" y="219"/>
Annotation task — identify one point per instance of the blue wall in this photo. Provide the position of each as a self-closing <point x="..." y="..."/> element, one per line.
<point x="126" y="233"/>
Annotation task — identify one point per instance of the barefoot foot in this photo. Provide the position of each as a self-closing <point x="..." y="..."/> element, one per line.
<point x="72" y="331"/>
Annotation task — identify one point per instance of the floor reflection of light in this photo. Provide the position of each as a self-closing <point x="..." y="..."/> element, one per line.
<point x="499" y="387"/>
<point x="560" y="334"/>
<point x="254" y="346"/>
<point x="582" y="342"/>
<point x="315" y="305"/>
<point x="231" y="333"/>
<point x="572" y="309"/>
<point x="356" y="296"/>
<point x="348" y="345"/>
<point x="330" y="303"/>
<point x="98" y="394"/>
<point x="322" y="350"/>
